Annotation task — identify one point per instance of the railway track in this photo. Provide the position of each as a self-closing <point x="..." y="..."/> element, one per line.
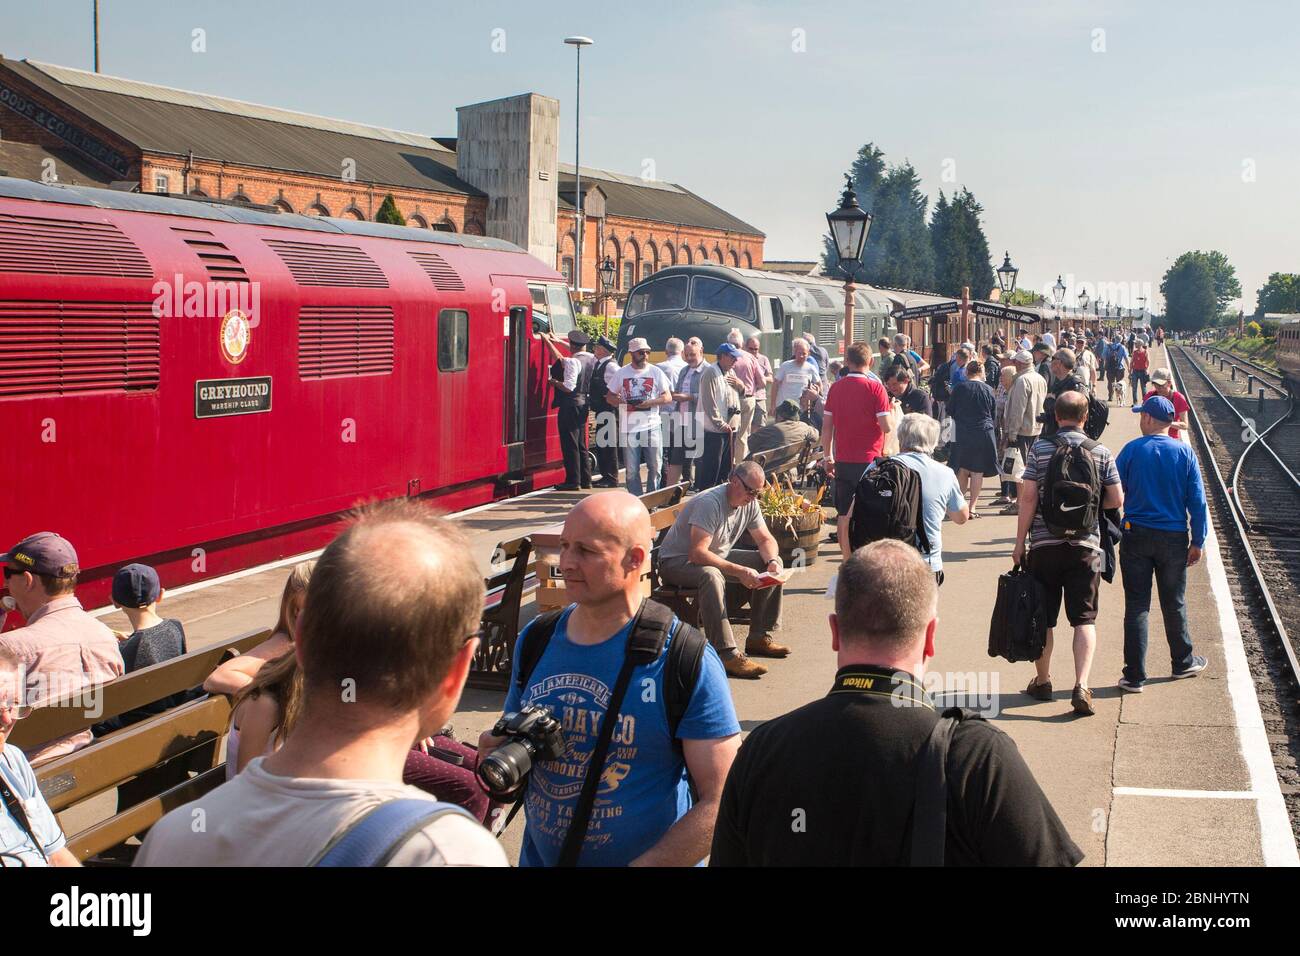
<point x="1250" y="450"/>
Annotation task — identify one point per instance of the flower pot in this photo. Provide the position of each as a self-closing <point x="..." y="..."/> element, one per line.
<point x="798" y="537"/>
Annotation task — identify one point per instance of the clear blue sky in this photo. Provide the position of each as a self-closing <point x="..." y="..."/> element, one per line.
<point x="1102" y="166"/>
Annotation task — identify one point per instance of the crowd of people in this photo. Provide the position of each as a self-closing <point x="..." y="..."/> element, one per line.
<point x="339" y="748"/>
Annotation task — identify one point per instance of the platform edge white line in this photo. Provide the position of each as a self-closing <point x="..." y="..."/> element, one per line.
<point x="1185" y="794"/>
<point x="1277" y="842"/>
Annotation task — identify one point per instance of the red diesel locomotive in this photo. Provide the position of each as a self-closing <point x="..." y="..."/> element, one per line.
<point x="206" y="387"/>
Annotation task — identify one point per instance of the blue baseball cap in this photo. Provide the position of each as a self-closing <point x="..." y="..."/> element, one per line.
<point x="43" y="553"/>
<point x="136" y="585"/>
<point x="729" y="350"/>
<point x="1158" y="407"/>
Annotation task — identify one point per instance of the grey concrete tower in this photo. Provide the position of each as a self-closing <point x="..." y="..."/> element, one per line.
<point x="509" y="148"/>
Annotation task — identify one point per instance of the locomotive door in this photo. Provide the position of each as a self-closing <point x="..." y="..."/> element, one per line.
<point x="518" y="344"/>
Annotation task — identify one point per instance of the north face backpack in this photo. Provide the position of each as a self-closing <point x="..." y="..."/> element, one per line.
<point x="887" y="504"/>
<point x="1069" y="496"/>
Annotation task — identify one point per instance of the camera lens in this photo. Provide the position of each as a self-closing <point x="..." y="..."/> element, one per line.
<point x="502" y="769"/>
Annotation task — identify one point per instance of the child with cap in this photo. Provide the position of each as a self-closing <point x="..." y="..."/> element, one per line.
<point x="138" y="592"/>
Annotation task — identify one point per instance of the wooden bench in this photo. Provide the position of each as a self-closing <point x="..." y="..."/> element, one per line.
<point x="129" y="692"/>
<point x="148" y="763"/>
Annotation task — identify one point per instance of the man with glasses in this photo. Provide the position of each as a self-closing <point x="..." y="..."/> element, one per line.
<point x="754" y="347"/>
<point x="640" y="390"/>
<point x="700" y="552"/>
<point x="63" y="650"/>
<point x="29" y="833"/>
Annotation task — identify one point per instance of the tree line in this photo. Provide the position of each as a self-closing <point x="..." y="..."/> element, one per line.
<point x="910" y="247"/>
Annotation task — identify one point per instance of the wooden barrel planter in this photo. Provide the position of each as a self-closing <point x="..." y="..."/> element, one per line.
<point x="798" y="537"/>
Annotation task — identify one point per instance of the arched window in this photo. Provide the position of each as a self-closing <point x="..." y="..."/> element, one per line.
<point x="417" y="221"/>
<point x="669" y="257"/>
<point x="717" y="255"/>
<point x="352" y="212"/>
<point x="566" y="253"/>
<point x="649" y="260"/>
<point x="283" y="205"/>
<point x="701" y="254"/>
<point x="686" y="255"/>
<point x="472" y="228"/>
<point x="749" y="261"/>
<point x="241" y="198"/>
<point x="316" y="209"/>
<point x="566" y="268"/>
<point x="631" y="262"/>
<point x="735" y="259"/>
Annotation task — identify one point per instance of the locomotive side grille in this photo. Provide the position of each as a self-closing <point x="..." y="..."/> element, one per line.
<point x="222" y="264"/>
<point x="69" y="247"/>
<point x="828" y="332"/>
<point x="336" y="341"/>
<point x="442" y="275"/>
<point x="313" y="263"/>
<point x="821" y="298"/>
<point x="59" y="348"/>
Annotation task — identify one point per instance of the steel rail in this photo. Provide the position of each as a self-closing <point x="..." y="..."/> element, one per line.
<point x="1242" y="534"/>
<point x="1279" y="388"/>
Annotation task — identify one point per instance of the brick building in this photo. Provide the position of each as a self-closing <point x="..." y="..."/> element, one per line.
<point x="499" y="176"/>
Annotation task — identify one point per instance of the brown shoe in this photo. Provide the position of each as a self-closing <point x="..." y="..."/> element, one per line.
<point x="766" y="647"/>
<point x="1039" y="691"/>
<point x="742" y="667"/>
<point x="1081" y="701"/>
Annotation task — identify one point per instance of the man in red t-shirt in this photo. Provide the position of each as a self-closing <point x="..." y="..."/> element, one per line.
<point x="1162" y="384"/>
<point x="854" y="425"/>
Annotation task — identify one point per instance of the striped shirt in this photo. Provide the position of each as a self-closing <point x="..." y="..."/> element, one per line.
<point x="1040" y="456"/>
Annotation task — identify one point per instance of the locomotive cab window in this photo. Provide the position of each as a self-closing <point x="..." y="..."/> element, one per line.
<point x="453" y="340"/>
<point x="665" y="294"/>
<point x="551" y="303"/>
<point x="718" y="295"/>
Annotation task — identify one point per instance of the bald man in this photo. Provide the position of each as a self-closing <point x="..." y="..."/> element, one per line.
<point x="644" y="814"/>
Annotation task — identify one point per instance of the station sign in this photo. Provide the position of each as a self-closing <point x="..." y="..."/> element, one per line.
<point x="919" y="311"/>
<point x="992" y="310"/>
<point x="218" y="397"/>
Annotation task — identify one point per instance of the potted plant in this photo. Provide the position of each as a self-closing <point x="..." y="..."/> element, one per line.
<point x="794" y="520"/>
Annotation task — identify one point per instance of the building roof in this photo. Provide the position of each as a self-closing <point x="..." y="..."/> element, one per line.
<point x="27" y="161"/>
<point x="799" y="267"/>
<point x="160" y="119"/>
<point x="635" y="198"/>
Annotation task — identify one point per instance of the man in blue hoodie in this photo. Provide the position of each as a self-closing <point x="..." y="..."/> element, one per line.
<point x="1162" y="490"/>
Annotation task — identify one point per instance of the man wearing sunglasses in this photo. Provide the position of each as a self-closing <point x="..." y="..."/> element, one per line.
<point x="63" y="649"/>
<point x="700" y="552"/>
<point x="29" y="833"/>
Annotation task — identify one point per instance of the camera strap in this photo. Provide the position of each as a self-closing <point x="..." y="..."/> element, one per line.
<point x="645" y="643"/>
<point x="19" y="812"/>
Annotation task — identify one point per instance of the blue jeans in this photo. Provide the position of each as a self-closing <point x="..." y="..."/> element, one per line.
<point x="1142" y="552"/>
<point x="647" y="447"/>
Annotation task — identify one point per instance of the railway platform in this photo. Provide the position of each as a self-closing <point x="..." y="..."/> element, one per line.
<point x="1179" y="775"/>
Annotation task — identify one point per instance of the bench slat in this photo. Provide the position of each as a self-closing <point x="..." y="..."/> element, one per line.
<point x="137" y="689"/>
<point x="108" y="762"/>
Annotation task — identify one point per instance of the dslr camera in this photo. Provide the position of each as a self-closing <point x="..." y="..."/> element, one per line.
<point x="532" y="734"/>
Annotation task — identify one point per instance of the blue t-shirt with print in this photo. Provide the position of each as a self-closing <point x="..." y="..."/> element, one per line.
<point x="643" y="790"/>
<point x="15" y="846"/>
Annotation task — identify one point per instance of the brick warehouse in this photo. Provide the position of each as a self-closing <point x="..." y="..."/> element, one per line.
<point x="500" y="175"/>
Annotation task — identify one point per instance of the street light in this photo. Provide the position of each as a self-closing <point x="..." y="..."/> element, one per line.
<point x="1007" y="276"/>
<point x="849" y="226"/>
<point x="578" y="43"/>
<point x="605" y="274"/>
<point x="1083" y="300"/>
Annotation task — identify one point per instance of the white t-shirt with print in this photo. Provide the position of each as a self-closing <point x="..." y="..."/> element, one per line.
<point x="639" y="385"/>
<point x="792" y="378"/>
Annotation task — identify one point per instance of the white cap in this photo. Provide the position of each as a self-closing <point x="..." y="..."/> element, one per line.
<point x="638" y="345"/>
<point x="1023" y="358"/>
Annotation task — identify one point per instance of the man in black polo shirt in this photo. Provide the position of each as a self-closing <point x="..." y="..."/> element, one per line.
<point x="834" y="782"/>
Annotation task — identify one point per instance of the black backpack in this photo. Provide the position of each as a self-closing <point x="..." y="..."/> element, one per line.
<point x="940" y="382"/>
<point x="1098" y="416"/>
<point x="681" y="668"/>
<point x="1069" y="496"/>
<point x="887" y="504"/>
<point x="596" y="390"/>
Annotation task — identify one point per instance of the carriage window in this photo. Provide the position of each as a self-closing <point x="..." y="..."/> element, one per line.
<point x="453" y="340"/>
<point x="561" y="309"/>
<point x="717" y="295"/>
<point x="662" y="295"/>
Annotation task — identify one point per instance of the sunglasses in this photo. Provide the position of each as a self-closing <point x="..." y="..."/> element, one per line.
<point x="10" y="572"/>
<point x="752" y="492"/>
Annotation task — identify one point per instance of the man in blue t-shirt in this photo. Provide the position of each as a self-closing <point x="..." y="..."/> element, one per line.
<point x="643" y="814"/>
<point x="1162" y="489"/>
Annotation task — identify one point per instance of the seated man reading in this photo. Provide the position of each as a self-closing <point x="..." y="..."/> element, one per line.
<point x="700" y="552"/>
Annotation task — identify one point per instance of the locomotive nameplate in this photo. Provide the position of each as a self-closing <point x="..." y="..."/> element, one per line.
<point x="217" y="397"/>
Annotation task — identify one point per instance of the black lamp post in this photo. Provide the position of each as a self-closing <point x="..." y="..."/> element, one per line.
<point x="1007" y="276"/>
<point x="606" y="276"/>
<point x="849" y="225"/>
